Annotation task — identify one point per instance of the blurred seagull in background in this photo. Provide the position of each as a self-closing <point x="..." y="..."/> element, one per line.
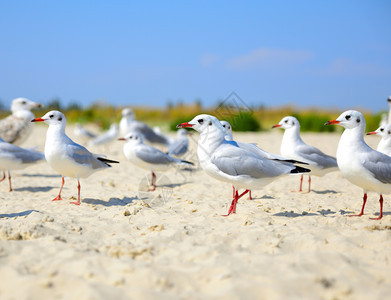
<point x="65" y="156"/>
<point x="16" y="128"/>
<point x="226" y="161"/>
<point x="359" y="163"/>
<point x="292" y="146"/>
<point x="180" y="145"/>
<point x="148" y="157"/>
<point x="13" y="157"/>
<point x="384" y="145"/>
<point x="129" y="124"/>
<point x="106" y="137"/>
<point x="83" y="133"/>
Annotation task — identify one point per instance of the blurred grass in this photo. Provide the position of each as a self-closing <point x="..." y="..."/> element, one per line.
<point x="247" y="119"/>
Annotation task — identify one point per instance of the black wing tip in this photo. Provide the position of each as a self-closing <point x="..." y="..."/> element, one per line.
<point x="292" y="161"/>
<point x="107" y="161"/>
<point x="300" y="170"/>
<point x="187" y="162"/>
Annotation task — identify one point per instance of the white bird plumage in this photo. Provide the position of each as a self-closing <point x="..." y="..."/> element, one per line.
<point x="384" y="145"/>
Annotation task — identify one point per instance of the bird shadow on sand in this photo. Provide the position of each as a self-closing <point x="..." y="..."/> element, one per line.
<point x="111" y="202"/>
<point x="42" y="175"/>
<point x="325" y="192"/>
<point x="20" y="214"/>
<point x="264" y="197"/>
<point x="294" y="215"/>
<point x="34" y="189"/>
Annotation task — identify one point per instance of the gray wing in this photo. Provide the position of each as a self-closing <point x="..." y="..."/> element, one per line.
<point x="84" y="157"/>
<point x="178" y="147"/>
<point x="148" y="133"/>
<point x="26" y="156"/>
<point x="235" y="161"/>
<point x="152" y="155"/>
<point x="10" y="128"/>
<point x="317" y="157"/>
<point x="379" y="165"/>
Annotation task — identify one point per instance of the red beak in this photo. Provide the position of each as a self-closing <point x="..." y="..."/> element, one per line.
<point x="38" y="120"/>
<point x="183" y="125"/>
<point x="332" y="122"/>
<point x="372" y="132"/>
<point x="121" y="139"/>
<point x="276" y="126"/>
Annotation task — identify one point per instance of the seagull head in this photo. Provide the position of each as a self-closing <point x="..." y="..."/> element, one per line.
<point x="287" y="122"/>
<point x="384" y="131"/>
<point x="23" y="104"/>
<point x="227" y="127"/>
<point x="202" y="123"/>
<point x="127" y="112"/>
<point x="349" y="119"/>
<point x="53" y="117"/>
<point x="132" y="138"/>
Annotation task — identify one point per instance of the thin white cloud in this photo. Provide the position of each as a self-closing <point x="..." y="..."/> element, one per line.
<point x="269" y="58"/>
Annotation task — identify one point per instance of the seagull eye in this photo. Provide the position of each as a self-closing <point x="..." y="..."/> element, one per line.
<point x="23" y="102"/>
<point x="382" y="129"/>
<point x="286" y="121"/>
<point x="210" y="123"/>
<point x="347" y="117"/>
<point x="389" y="132"/>
<point x="51" y="116"/>
<point x="224" y="126"/>
<point x="60" y="118"/>
<point x="201" y="121"/>
<point x="358" y="120"/>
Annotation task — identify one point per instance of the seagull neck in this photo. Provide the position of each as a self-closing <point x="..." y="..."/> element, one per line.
<point x="210" y="140"/>
<point x="55" y="131"/>
<point x="24" y="114"/>
<point x="292" y="135"/>
<point x="352" y="136"/>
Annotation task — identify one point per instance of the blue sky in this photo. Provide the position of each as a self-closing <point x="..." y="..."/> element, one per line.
<point x="272" y="53"/>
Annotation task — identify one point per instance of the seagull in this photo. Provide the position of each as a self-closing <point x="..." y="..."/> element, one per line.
<point x="13" y="157"/>
<point x="180" y="145"/>
<point x="106" y="137"/>
<point x="292" y="146"/>
<point x="81" y="132"/>
<point x="384" y="145"/>
<point x="389" y="109"/>
<point x="16" y="128"/>
<point x="65" y="156"/>
<point x="227" y="162"/>
<point x="129" y="124"/>
<point x="359" y="163"/>
<point x="148" y="157"/>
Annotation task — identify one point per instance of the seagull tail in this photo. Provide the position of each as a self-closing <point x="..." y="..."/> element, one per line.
<point x="299" y="170"/>
<point x="107" y="161"/>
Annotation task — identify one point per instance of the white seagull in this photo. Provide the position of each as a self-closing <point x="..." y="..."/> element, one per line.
<point x="65" y="156"/>
<point x="13" y="157"/>
<point x="81" y="132"/>
<point x="129" y="124"/>
<point x="227" y="162"/>
<point x="384" y="145"/>
<point x="16" y="128"/>
<point x="106" y="137"/>
<point x="292" y="146"/>
<point x="148" y="157"/>
<point x="180" y="145"/>
<point x="359" y="163"/>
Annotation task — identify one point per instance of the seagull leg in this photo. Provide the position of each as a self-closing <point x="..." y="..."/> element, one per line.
<point x="232" y="208"/>
<point x="153" y="183"/>
<point x="309" y="183"/>
<point x="78" y="194"/>
<point x="3" y="176"/>
<point x="59" y="194"/>
<point x="249" y="195"/>
<point x="381" y="209"/>
<point x="363" y="205"/>
<point x="233" y="188"/>
<point x="9" y="180"/>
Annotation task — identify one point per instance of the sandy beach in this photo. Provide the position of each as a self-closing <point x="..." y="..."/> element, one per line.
<point x="175" y="244"/>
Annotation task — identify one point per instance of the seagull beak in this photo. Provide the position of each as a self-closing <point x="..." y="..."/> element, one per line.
<point x="332" y="122"/>
<point x="276" y="126"/>
<point x="121" y="139"/>
<point x="183" y="125"/>
<point x="37" y="120"/>
<point x="372" y="132"/>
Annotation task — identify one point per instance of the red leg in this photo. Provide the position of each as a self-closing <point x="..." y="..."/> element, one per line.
<point x="3" y="177"/>
<point x="59" y="194"/>
<point x="9" y="180"/>
<point x="233" y="194"/>
<point x="362" y="208"/>
<point x="301" y="183"/>
<point x="153" y="183"/>
<point x="309" y="183"/>
<point x="78" y="193"/>
<point x="381" y="209"/>
<point x="232" y="208"/>
<point x="249" y="195"/>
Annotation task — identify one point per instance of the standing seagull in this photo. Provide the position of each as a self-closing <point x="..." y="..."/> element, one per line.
<point x="180" y="145"/>
<point x="16" y="128"/>
<point x="65" y="156"/>
<point x="227" y="162"/>
<point x="129" y="124"/>
<point x="359" y="163"/>
<point x="384" y="145"/>
<point x="149" y="158"/>
<point x="106" y="137"/>
<point x="13" y="157"/>
<point x="292" y="146"/>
